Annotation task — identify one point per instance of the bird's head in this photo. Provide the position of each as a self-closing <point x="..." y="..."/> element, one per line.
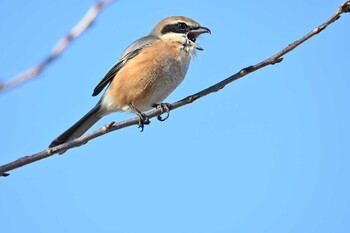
<point x="180" y="29"/>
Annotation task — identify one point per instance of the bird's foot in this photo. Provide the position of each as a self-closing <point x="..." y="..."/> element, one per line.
<point x="143" y="120"/>
<point x="165" y="108"/>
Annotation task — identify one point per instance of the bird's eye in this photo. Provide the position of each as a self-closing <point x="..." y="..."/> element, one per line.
<point x="182" y="26"/>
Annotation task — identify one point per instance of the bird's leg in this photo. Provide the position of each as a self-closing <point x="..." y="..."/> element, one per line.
<point x="165" y="107"/>
<point x="143" y="119"/>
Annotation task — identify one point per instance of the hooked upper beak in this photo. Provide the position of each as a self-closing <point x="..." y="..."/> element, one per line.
<point x="195" y="32"/>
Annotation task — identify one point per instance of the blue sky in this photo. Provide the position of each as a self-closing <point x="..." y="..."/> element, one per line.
<point x="268" y="153"/>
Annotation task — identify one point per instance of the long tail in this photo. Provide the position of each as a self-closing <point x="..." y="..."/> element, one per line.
<point x="80" y="127"/>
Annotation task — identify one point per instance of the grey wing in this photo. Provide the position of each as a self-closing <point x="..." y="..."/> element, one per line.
<point x="130" y="52"/>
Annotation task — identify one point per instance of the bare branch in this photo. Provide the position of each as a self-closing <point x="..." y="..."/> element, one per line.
<point x="345" y="7"/>
<point x="61" y="45"/>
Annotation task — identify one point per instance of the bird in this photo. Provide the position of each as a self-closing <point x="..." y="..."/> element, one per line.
<point x="147" y="72"/>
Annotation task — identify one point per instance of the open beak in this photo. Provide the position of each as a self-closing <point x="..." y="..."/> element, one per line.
<point x="194" y="33"/>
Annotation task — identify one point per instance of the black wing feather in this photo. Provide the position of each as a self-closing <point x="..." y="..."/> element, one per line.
<point x="113" y="71"/>
<point x="132" y="51"/>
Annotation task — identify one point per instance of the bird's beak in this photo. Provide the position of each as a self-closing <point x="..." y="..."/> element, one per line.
<point x="194" y="33"/>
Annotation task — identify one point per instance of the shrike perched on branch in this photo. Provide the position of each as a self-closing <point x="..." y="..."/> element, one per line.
<point x="147" y="72"/>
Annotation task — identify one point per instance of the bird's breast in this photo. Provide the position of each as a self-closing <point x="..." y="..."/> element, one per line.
<point x="148" y="78"/>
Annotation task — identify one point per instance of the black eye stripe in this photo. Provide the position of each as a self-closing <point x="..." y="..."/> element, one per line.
<point x="179" y="27"/>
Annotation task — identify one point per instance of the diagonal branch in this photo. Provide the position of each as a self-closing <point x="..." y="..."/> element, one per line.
<point x="58" y="49"/>
<point x="344" y="8"/>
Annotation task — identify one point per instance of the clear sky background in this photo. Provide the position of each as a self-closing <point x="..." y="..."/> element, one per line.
<point x="268" y="153"/>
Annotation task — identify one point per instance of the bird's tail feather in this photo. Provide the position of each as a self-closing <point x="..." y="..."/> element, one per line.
<point x="80" y="127"/>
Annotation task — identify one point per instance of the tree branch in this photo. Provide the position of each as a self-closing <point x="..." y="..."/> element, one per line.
<point x="344" y="8"/>
<point x="58" y="49"/>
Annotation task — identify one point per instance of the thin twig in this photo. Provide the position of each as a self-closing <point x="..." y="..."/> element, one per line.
<point x="61" y="45"/>
<point x="345" y="7"/>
